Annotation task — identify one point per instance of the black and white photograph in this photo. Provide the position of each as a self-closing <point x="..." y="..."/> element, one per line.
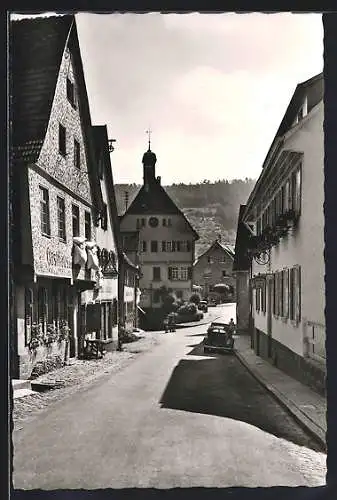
<point x="167" y="271"/>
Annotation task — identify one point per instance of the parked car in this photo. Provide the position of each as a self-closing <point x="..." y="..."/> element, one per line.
<point x="212" y="302"/>
<point x="219" y="338"/>
<point x="203" y="306"/>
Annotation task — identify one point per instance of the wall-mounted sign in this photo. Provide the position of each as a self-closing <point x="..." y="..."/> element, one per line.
<point x="128" y="294"/>
<point x="57" y="258"/>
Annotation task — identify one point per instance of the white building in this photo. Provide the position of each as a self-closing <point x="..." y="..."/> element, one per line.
<point x="285" y="215"/>
<point x="166" y="238"/>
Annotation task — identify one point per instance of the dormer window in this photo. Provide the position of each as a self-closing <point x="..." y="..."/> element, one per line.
<point x="71" y="93"/>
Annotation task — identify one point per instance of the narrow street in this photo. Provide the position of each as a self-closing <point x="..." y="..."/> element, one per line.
<point x="173" y="418"/>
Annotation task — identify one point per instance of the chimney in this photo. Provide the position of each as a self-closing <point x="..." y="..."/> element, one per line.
<point x="126" y="198"/>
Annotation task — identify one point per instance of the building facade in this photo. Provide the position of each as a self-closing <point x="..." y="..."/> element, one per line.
<point x="166" y="239"/>
<point x="285" y="216"/>
<point x="241" y="270"/>
<point x="99" y="306"/>
<point x="214" y="267"/>
<point x="55" y="192"/>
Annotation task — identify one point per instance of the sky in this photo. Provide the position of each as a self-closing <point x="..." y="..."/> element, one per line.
<point x="213" y="88"/>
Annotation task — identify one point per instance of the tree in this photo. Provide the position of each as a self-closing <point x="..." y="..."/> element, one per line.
<point x="195" y="298"/>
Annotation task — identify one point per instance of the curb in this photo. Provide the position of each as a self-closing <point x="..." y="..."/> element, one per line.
<point x="303" y="420"/>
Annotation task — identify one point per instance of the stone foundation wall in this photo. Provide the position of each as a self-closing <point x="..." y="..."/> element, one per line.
<point x="28" y="360"/>
<point x="302" y="369"/>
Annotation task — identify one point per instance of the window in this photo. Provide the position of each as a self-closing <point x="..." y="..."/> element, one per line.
<point x="263" y="298"/>
<point x="285" y="293"/>
<point x="76" y="220"/>
<point x="62" y="140"/>
<point x="163" y="246"/>
<point x="173" y="246"/>
<point x="43" y="307"/>
<point x="188" y="246"/>
<point x="143" y="222"/>
<point x="87" y="225"/>
<point x="184" y="273"/>
<point x="164" y="222"/>
<point x="154" y="246"/>
<point x="295" y="294"/>
<point x="179" y="294"/>
<point x="257" y="298"/>
<point x="29" y="301"/>
<point x="224" y="273"/>
<point x="104" y="218"/>
<point x="156" y="296"/>
<point x="61" y="218"/>
<point x="173" y="273"/>
<point x="144" y="246"/>
<point x="178" y="245"/>
<point x="156" y="274"/>
<point x="77" y="154"/>
<point x="168" y="246"/>
<point x="169" y="222"/>
<point x="44" y="211"/>
<point x="296" y="182"/>
<point x="71" y="93"/>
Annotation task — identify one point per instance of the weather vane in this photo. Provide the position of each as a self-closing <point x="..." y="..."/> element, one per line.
<point x="149" y="131"/>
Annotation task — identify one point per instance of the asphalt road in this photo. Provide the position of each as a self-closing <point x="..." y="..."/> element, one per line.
<point x="173" y="418"/>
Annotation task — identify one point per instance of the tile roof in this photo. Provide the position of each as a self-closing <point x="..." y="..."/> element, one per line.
<point x="35" y="52"/>
<point x="155" y="201"/>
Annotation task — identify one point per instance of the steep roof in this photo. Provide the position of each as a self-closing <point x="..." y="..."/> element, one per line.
<point x="155" y="200"/>
<point x="313" y="89"/>
<point x="241" y="260"/>
<point x="217" y="244"/>
<point x="36" y="48"/>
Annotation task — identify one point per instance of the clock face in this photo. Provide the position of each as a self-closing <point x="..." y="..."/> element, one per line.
<point x="153" y="221"/>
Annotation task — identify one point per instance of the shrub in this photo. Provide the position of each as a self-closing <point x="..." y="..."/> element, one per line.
<point x="195" y="298"/>
<point x="187" y="309"/>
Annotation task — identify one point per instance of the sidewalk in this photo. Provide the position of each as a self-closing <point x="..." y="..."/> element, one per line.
<point x="306" y="406"/>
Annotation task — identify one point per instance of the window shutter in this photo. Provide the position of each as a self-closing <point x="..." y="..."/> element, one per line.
<point x="297" y="290"/>
<point x="189" y="273"/>
<point x="170" y="273"/>
<point x="286" y="293"/>
<point x="163" y="246"/>
<point x="298" y="191"/>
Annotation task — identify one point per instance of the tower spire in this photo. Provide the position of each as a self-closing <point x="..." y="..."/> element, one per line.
<point x="149" y="131"/>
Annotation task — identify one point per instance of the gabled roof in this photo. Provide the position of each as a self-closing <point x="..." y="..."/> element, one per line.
<point x="241" y="260"/>
<point x="154" y="201"/>
<point x="36" y="48"/>
<point x="313" y="89"/>
<point x="217" y="244"/>
<point x="101" y="146"/>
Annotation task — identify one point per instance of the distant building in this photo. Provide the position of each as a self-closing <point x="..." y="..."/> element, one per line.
<point x="99" y="308"/>
<point x="284" y="214"/>
<point x="215" y="267"/>
<point x="166" y="239"/>
<point x="241" y="270"/>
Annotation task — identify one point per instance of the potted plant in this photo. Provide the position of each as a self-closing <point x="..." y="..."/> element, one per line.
<point x="64" y="330"/>
<point x="36" y="336"/>
<point x="51" y="334"/>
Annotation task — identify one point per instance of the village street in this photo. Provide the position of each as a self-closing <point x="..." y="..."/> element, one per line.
<point x="172" y="418"/>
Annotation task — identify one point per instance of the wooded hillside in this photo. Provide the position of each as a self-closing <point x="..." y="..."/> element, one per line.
<point x="211" y="207"/>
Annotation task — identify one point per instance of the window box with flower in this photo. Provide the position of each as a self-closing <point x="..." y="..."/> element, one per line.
<point x="36" y="338"/>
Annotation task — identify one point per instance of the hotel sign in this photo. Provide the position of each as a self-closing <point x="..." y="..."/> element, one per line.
<point x="52" y="261"/>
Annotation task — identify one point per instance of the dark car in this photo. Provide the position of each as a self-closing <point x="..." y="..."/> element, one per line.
<point x="203" y="306"/>
<point x="219" y="338"/>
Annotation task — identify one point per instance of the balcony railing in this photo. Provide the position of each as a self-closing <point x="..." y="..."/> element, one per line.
<point x="315" y="340"/>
